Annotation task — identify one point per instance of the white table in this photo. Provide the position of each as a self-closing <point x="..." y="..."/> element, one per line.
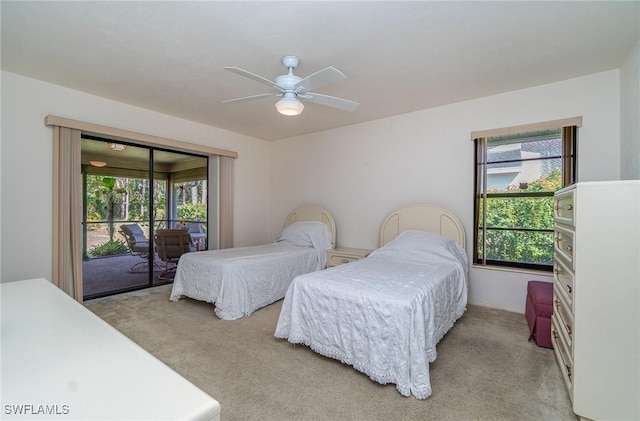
<point x="60" y="358"/>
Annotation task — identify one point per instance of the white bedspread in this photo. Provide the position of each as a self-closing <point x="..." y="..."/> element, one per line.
<point x="383" y="315"/>
<point x="241" y="280"/>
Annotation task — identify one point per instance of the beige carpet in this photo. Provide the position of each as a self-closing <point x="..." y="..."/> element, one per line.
<point x="485" y="370"/>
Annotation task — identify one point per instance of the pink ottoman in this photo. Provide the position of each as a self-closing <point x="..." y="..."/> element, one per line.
<point x="538" y="311"/>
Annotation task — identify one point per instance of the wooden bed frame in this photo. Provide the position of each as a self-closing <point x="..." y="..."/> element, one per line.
<point x="423" y="217"/>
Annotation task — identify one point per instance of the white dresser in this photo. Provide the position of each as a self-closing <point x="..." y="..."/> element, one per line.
<point x="596" y="319"/>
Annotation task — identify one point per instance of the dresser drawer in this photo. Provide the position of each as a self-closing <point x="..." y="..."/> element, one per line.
<point x="563" y="355"/>
<point x="564" y="278"/>
<point x="564" y="244"/>
<point x="335" y="260"/>
<point x="342" y="255"/>
<point x="564" y="207"/>
<point x="564" y="315"/>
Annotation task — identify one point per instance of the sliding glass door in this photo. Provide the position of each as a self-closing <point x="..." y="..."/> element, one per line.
<point x="130" y="191"/>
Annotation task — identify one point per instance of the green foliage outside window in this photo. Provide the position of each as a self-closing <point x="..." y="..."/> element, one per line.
<point x="116" y="199"/>
<point x="192" y="212"/>
<point x="191" y="201"/>
<point x="512" y="232"/>
<point x="110" y="248"/>
<point x="124" y="199"/>
<point x="514" y="226"/>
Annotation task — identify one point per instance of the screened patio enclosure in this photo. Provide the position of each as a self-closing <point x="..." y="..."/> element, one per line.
<point x="145" y="189"/>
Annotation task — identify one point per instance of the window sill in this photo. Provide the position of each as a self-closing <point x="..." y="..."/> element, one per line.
<point x="516" y="270"/>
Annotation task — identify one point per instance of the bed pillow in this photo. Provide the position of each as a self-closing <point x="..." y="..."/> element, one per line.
<point x="307" y="234"/>
<point x="416" y="245"/>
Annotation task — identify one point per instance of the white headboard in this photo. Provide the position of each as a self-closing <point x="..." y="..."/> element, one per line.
<point x="422" y="217"/>
<point x="313" y="213"/>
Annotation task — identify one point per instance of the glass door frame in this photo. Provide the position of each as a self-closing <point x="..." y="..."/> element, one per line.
<point x="151" y="205"/>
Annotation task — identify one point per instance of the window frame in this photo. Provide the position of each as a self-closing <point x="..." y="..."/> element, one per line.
<point x="568" y="160"/>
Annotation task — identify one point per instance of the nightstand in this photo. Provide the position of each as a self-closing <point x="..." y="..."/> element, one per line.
<point x="342" y="255"/>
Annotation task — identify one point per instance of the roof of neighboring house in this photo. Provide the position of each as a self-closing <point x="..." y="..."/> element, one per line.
<point x="504" y="155"/>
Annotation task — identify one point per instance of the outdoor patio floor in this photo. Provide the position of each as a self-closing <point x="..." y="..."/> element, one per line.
<point x="108" y="275"/>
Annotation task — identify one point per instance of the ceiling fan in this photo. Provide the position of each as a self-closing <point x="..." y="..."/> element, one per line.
<point x="293" y="88"/>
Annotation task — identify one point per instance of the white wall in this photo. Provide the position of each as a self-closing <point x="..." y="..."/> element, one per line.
<point x="359" y="173"/>
<point x="362" y="172"/>
<point x="26" y="166"/>
<point x="630" y="116"/>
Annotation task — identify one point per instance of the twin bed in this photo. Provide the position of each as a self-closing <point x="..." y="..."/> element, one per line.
<point x="383" y="314"/>
<point x="241" y="280"/>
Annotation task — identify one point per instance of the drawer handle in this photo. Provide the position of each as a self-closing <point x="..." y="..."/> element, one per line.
<point x="555" y="335"/>
<point x="345" y="261"/>
<point x="557" y="304"/>
<point x="569" y="289"/>
<point x="558" y="271"/>
<point x="568" y="370"/>
<point x="558" y="239"/>
<point x="569" y="248"/>
<point x="568" y="329"/>
<point x="569" y="207"/>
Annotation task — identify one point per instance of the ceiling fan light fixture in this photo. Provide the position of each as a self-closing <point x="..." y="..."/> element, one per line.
<point x="289" y="106"/>
<point x="117" y="147"/>
<point x="98" y="164"/>
<point x="292" y="88"/>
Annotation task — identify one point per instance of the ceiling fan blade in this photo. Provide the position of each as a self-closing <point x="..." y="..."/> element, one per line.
<point x="331" y="101"/>
<point x="319" y="79"/>
<point x="253" y="76"/>
<point x="252" y="97"/>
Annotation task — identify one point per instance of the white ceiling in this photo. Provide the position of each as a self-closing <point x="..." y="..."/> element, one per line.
<point x="398" y="56"/>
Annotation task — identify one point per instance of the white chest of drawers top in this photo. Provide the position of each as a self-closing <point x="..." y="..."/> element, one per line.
<point x="596" y="320"/>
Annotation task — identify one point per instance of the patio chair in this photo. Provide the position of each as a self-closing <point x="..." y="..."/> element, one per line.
<point x="171" y="244"/>
<point x="137" y="243"/>
<point x="196" y="231"/>
<point x="197" y="235"/>
<point x="195" y="227"/>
